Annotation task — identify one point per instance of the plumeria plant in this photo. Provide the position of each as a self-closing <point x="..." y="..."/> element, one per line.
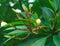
<point x="30" y="29"/>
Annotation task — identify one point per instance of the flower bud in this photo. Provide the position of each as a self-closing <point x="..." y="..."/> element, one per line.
<point x="16" y="10"/>
<point x="38" y="21"/>
<point x="3" y="24"/>
<point x="11" y="4"/>
<point x="30" y="5"/>
<point x="24" y="7"/>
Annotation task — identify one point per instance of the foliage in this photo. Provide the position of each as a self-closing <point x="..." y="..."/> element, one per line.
<point x="34" y="25"/>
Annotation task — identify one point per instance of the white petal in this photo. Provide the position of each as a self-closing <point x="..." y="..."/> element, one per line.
<point x="31" y="1"/>
<point x="11" y="4"/>
<point x="16" y="10"/>
<point x="30" y="5"/>
<point x="3" y="24"/>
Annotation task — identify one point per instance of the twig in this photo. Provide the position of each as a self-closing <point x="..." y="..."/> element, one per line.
<point x="39" y="27"/>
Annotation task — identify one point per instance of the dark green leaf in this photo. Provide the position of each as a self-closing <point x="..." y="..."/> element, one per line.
<point x="56" y="40"/>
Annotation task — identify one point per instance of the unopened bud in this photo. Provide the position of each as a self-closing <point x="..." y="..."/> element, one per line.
<point x="16" y="10"/>
<point x="38" y="21"/>
<point x="24" y="7"/>
<point x="11" y="4"/>
<point x="3" y="24"/>
<point x="30" y="5"/>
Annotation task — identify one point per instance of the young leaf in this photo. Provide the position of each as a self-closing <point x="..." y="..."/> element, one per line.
<point x="36" y="15"/>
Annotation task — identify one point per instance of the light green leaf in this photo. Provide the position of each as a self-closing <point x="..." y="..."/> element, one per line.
<point x="18" y="23"/>
<point x="36" y="15"/>
<point x="40" y="42"/>
<point x="10" y="28"/>
<point x="52" y="4"/>
<point x="18" y="32"/>
<point x="56" y="3"/>
<point x="21" y="27"/>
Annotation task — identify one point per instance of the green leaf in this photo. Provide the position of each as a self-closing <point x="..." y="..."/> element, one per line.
<point x="29" y="41"/>
<point x="40" y="42"/>
<point x="56" y="40"/>
<point x="47" y="15"/>
<point x="57" y="17"/>
<point x="18" y="32"/>
<point x="52" y="4"/>
<point x="21" y="27"/>
<point x="18" y="23"/>
<point x="35" y="15"/>
<point x="7" y="40"/>
<point x="23" y="14"/>
<point x="14" y="23"/>
<point x="18" y="27"/>
<point x="56" y="3"/>
<point x="50" y="42"/>
<point x="10" y="28"/>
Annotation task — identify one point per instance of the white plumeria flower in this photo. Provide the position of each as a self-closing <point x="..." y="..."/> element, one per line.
<point x="16" y="10"/>
<point x="24" y="7"/>
<point x="31" y="1"/>
<point x="30" y="5"/>
<point x="11" y="4"/>
<point x="3" y="24"/>
<point x="38" y="21"/>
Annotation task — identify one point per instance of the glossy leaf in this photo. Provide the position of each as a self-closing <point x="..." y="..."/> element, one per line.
<point x="18" y="32"/>
<point x="56" y="40"/>
<point x="40" y="42"/>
